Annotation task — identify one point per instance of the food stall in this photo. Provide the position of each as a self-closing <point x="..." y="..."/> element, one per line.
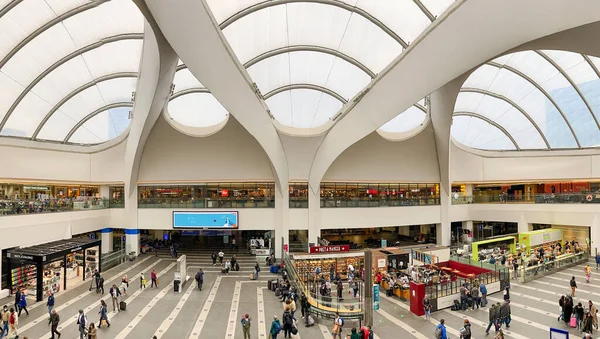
<point x="306" y="264"/>
<point x="488" y="248"/>
<point x="541" y="239"/>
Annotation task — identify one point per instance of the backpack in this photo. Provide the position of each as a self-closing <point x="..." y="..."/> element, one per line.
<point x="245" y="323"/>
<point x="197" y="276"/>
<point x="287" y="319"/>
<point x="277" y="327"/>
<point x="438" y="332"/>
<point x="340" y="321"/>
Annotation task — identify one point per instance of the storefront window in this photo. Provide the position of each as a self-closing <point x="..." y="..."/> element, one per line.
<point x="210" y="195"/>
<point x="298" y="195"/>
<point x="375" y="195"/>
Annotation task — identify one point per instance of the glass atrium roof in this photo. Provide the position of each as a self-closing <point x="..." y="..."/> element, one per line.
<point x="68" y="68"/>
<point x="531" y="100"/>
<point x="308" y="58"/>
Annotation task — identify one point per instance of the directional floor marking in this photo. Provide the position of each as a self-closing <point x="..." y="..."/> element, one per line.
<point x="164" y="326"/>
<point x="197" y="330"/>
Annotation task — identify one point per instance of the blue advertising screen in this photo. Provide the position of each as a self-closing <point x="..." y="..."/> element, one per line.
<point x="222" y="220"/>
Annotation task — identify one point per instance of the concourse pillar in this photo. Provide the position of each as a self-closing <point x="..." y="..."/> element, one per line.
<point x="132" y="241"/>
<point x="314" y="215"/>
<point x="467" y="225"/>
<point x="106" y="235"/>
<point x="282" y="221"/>
<point x="523" y="225"/>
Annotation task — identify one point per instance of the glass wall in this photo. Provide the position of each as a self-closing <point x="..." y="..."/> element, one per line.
<point x="298" y="195"/>
<point x="378" y="194"/>
<point x="209" y="195"/>
<point x="37" y="191"/>
<point x="117" y="196"/>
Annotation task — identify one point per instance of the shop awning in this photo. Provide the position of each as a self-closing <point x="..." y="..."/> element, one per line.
<point x="49" y="251"/>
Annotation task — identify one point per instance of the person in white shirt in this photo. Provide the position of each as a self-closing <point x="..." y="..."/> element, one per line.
<point x="221" y="255"/>
<point x="227" y="266"/>
<point x="253" y="242"/>
<point x="262" y="242"/>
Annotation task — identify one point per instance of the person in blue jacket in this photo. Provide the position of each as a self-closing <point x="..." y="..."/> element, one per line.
<point x="483" y="292"/>
<point x="23" y="304"/>
<point x="597" y="260"/>
<point x="50" y="302"/>
<point x="442" y="330"/>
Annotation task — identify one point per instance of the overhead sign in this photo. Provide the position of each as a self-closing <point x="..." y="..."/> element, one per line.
<point x="19" y="256"/>
<point x="329" y="249"/>
<point x="205" y="220"/>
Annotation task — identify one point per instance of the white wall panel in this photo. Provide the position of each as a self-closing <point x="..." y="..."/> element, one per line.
<point x="108" y="165"/>
<point x="378" y="160"/>
<point x="300" y="153"/>
<point x="231" y="154"/>
<point x="332" y="218"/>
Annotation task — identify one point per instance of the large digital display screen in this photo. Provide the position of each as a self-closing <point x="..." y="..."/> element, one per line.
<point x="227" y="220"/>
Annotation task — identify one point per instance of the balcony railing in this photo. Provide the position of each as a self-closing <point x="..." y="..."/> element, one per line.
<point x="550" y="198"/>
<point x="377" y="202"/>
<point x="23" y="206"/>
<point x="206" y="203"/>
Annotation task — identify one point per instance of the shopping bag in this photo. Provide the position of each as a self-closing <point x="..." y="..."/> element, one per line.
<point x="103" y="322"/>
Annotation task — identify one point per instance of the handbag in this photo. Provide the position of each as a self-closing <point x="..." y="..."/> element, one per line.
<point x="103" y="322"/>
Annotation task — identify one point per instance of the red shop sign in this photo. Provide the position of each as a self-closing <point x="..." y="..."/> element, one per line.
<point x="330" y="249"/>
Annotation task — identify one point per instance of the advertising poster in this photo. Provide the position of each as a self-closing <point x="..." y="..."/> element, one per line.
<point x="228" y="220"/>
<point x="375" y="297"/>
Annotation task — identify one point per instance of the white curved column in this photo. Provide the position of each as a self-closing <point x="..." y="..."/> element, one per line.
<point x="193" y="33"/>
<point x="157" y="69"/>
<point x="456" y="42"/>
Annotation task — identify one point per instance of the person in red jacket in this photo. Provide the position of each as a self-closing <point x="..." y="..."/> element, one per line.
<point x="378" y="278"/>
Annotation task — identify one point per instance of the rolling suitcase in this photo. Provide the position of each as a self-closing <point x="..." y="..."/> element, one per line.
<point x="122" y="306"/>
<point x="573" y="322"/>
<point x="252" y="276"/>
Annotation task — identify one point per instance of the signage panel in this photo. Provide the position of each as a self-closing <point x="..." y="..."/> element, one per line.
<point x="329" y="249"/>
<point x="375" y="297"/>
<point x="228" y="220"/>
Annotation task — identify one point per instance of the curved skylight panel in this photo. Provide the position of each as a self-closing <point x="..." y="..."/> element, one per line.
<point x="480" y="134"/>
<point x="437" y="7"/>
<point x="306" y="67"/>
<point x="303" y="108"/>
<point x="26" y="17"/>
<point x="503" y="113"/>
<point x="405" y="121"/>
<point x="102" y="127"/>
<point x="184" y="79"/>
<point x="312" y="24"/>
<point x="76" y="109"/>
<point x="197" y="110"/>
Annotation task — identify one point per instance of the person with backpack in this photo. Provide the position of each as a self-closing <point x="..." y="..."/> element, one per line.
<point x="573" y="285"/>
<point x="483" y="291"/>
<point x="275" y="328"/>
<point x="440" y="331"/>
<point x="246" y="322"/>
<point x="465" y="331"/>
<point x="427" y="307"/>
<point x="493" y="319"/>
<point x="338" y="324"/>
<point x="199" y="278"/>
<point x="288" y="324"/>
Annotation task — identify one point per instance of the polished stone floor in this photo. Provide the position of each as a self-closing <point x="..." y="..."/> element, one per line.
<point x="215" y="311"/>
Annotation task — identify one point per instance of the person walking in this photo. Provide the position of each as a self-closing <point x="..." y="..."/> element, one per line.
<point x="103" y="314"/>
<point x="440" y="330"/>
<point x="154" y="279"/>
<point x="50" y="302"/>
<point x="213" y="256"/>
<point x="579" y="313"/>
<point x="305" y="307"/>
<point x="142" y="281"/>
<point x="594" y="313"/>
<point x="588" y="273"/>
<point x="483" y="293"/>
<point x="13" y="323"/>
<point x="17" y="298"/>
<point x="115" y="293"/>
<point x="92" y="332"/>
<point x="505" y="313"/>
<point x="427" y="307"/>
<point x="101" y="284"/>
<point x="200" y="278"/>
<point x="275" y="328"/>
<point x="338" y="323"/>
<point x="5" y="320"/>
<point x="53" y="323"/>
<point x="23" y="303"/>
<point x="221" y="255"/>
<point x="573" y="285"/>
<point x="256" y="270"/>
<point x="507" y="292"/>
<point x="355" y="288"/>
<point x="246" y="323"/>
<point x="340" y="290"/>
<point x="465" y="332"/>
<point x="82" y="322"/>
<point x="597" y="260"/>
<point x="493" y="319"/>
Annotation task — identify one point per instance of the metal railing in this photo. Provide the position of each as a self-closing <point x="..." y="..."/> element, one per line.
<point x="530" y="273"/>
<point x="550" y="198"/>
<point x="448" y="288"/>
<point x="22" y="206"/>
<point x="112" y="259"/>
<point x="206" y="203"/>
<point x="469" y="261"/>
<point x="377" y="202"/>
<point x="298" y="202"/>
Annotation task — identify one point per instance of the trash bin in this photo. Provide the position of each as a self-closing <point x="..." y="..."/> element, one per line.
<point x="176" y="284"/>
